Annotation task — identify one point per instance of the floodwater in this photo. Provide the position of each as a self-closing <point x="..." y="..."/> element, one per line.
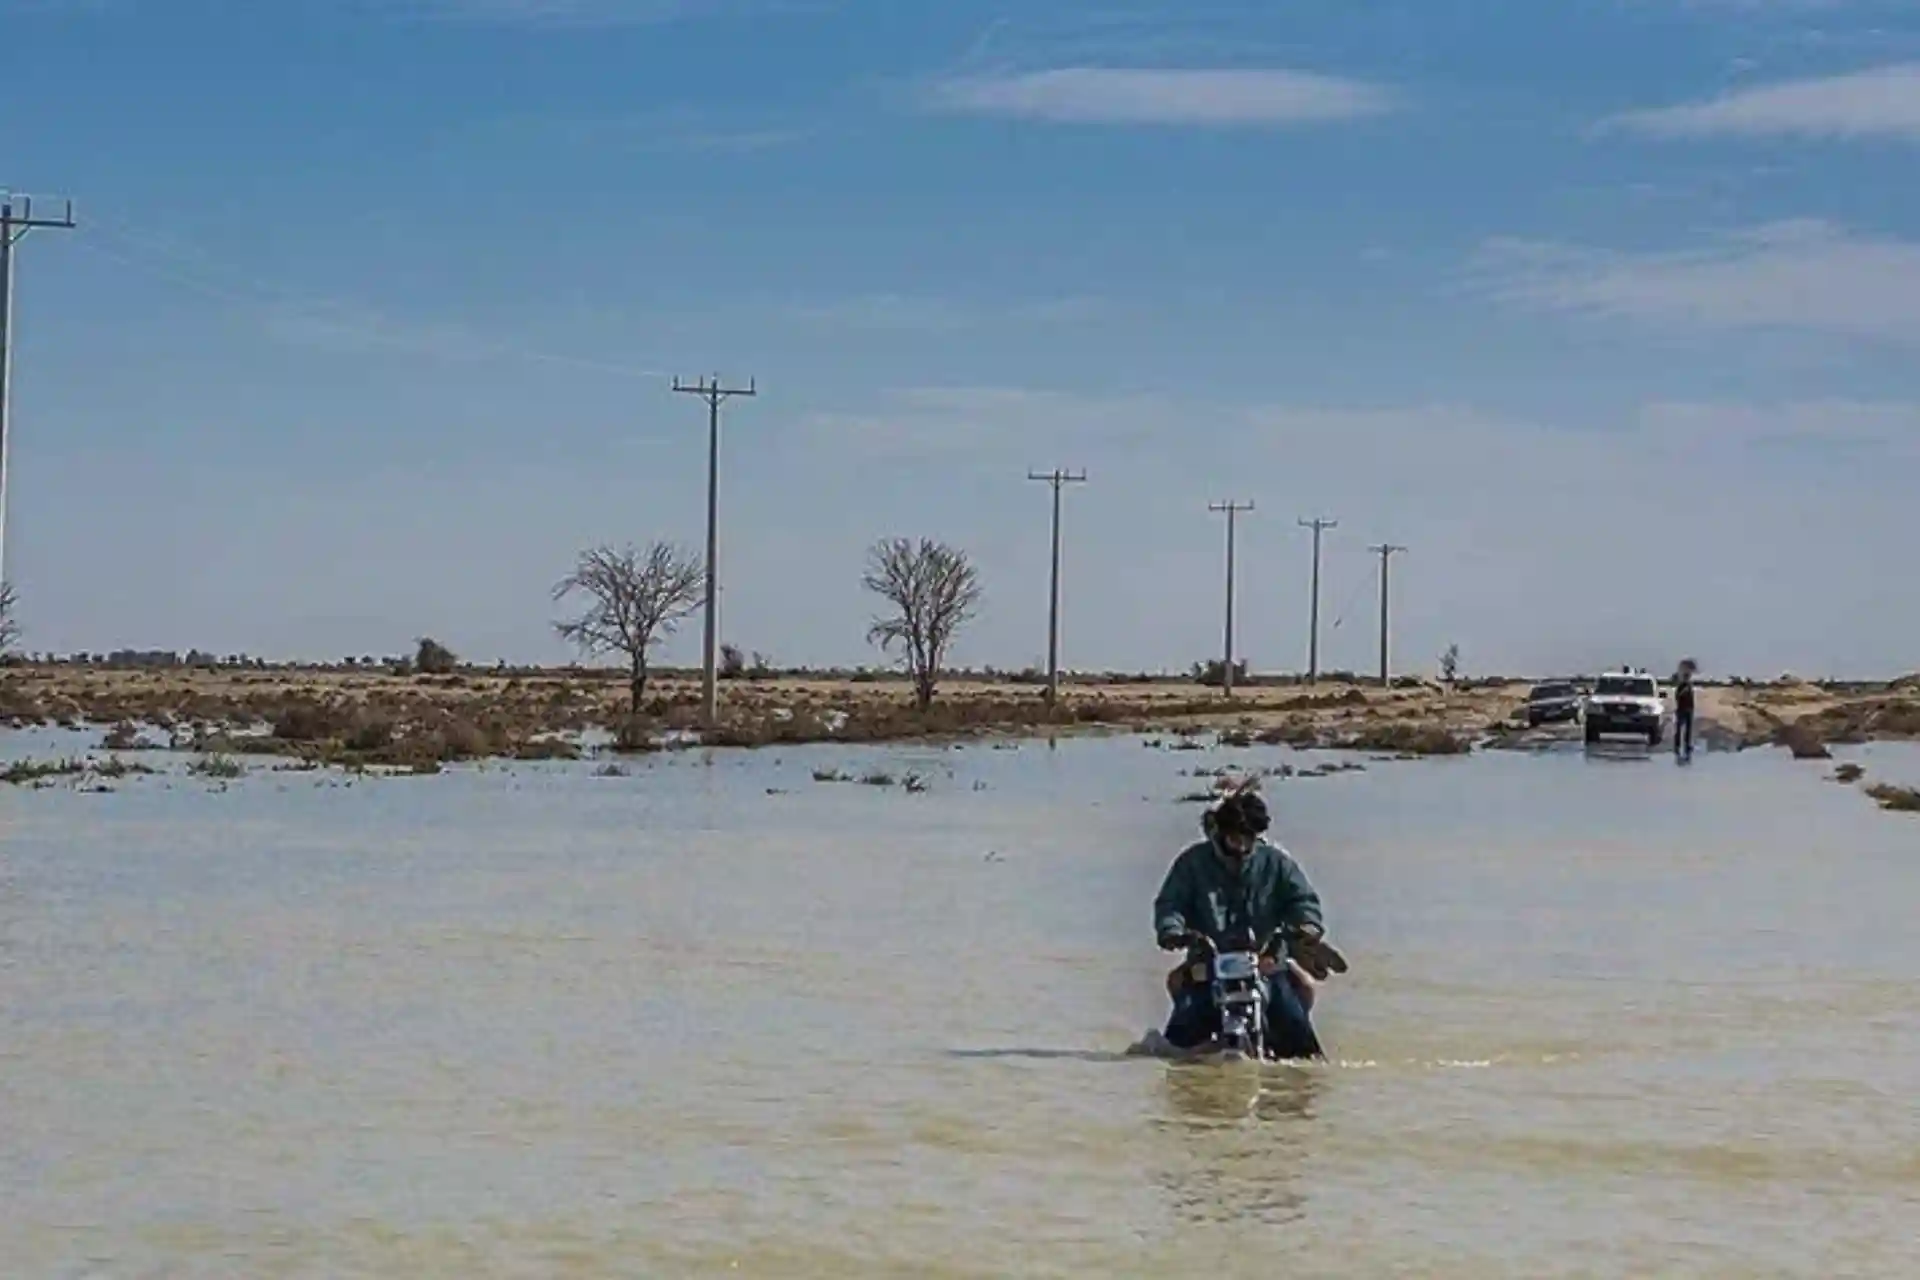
<point x="1608" y="1016"/>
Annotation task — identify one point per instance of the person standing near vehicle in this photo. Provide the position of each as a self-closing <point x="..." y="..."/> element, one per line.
<point x="1683" y="709"/>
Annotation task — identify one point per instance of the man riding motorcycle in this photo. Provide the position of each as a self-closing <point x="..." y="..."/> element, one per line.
<point x="1228" y="887"/>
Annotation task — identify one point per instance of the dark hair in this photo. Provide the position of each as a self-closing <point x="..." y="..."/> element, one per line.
<point x="1243" y="813"/>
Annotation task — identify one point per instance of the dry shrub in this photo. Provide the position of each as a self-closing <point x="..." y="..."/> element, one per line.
<point x="213" y="740"/>
<point x="1803" y="739"/>
<point x="307" y="721"/>
<point x="1854" y="722"/>
<point x="24" y="772"/>
<point x="1895" y="718"/>
<point x="1298" y="732"/>
<point x="796" y="728"/>
<point x="546" y="749"/>
<point x="634" y="736"/>
<point x="124" y="737"/>
<point x="431" y="658"/>
<point x="462" y="739"/>
<point x="1407" y="739"/>
<point x="1896" y="799"/>
<point x="1316" y="701"/>
<point x="681" y="715"/>
<point x="369" y="732"/>
<point x="19" y="707"/>
<point x="216" y="766"/>
<point x="986" y="712"/>
<point x="739" y="733"/>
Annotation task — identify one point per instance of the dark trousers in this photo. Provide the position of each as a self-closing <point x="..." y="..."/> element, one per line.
<point x="1683" y="729"/>
<point x="1290" y="1033"/>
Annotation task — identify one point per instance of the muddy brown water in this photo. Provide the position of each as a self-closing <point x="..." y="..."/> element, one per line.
<point x="1609" y="1016"/>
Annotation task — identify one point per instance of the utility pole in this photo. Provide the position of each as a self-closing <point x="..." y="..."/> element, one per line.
<point x="1313" y="625"/>
<point x="1057" y="478"/>
<point x="1385" y="551"/>
<point x="1232" y="511"/>
<point x="17" y="218"/>
<point x="710" y="390"/>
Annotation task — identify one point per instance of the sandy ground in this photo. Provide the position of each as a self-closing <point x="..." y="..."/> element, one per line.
<point x="328" y="711"/>
<point x="53" y="693"/>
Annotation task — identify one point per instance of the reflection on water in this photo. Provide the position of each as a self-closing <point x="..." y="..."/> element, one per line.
<point x="1240" y="1091"/>
<point x="1239" y="1138"/>
<point x="525" y="1021"/>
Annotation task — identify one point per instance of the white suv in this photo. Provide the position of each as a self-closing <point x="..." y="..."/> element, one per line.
<point x="1626" y="702"/>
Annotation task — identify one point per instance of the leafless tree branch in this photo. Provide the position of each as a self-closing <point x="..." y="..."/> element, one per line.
<point x="634" y="601"/>
<point x="934" y="590"/>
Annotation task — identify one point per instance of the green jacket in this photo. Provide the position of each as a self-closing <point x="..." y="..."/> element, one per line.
<point x="1203" y="893"/>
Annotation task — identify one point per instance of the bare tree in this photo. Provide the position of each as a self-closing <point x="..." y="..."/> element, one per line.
<point x="9" y="621"/>
<point x="934" y="590"/>
<point x="635" y="600"/>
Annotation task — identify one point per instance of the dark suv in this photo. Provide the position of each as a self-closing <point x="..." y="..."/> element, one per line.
<point x="1553" y="702"/>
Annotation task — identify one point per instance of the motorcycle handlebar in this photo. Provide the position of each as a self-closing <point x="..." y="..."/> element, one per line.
<point x="1318" y="956"/>
<point x="1200" y="942"/>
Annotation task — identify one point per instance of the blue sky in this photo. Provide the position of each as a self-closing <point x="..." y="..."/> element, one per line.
<point x="1607" y="309"/>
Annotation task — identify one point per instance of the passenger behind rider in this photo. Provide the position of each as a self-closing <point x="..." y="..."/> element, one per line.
<point x="1228" y="886"/>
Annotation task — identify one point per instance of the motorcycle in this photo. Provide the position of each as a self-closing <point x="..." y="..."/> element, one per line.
<point x="1235" y="993"/>
<point x="1232" y="978"/>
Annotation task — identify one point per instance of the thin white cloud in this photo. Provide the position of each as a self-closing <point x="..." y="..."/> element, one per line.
<point x="1883" y="102"/>
<point x="1803" y="275"/>
<point x="1432" y="439"/>
<point x="1891" y="428"/>
<point x="1171" y="96"/>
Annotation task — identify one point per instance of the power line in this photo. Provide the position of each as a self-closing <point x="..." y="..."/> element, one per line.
<point x="1385" y="551"/>
<point x="1232" y="511"/>
<point x="1318" y="526"/>
<point x="17" y="219"/>
<point x="714" y="394"/>
<point x="1360" y="584"/>
<point x="1058" y="479"/>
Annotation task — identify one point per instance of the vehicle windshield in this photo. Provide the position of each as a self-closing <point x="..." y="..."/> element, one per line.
<point x="1626" y="686"/>
<point x="1541" y="692"/>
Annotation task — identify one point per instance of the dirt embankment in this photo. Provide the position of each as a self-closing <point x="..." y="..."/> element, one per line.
<point x="375" y="718"/>
<point x="1808" y="718"/>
